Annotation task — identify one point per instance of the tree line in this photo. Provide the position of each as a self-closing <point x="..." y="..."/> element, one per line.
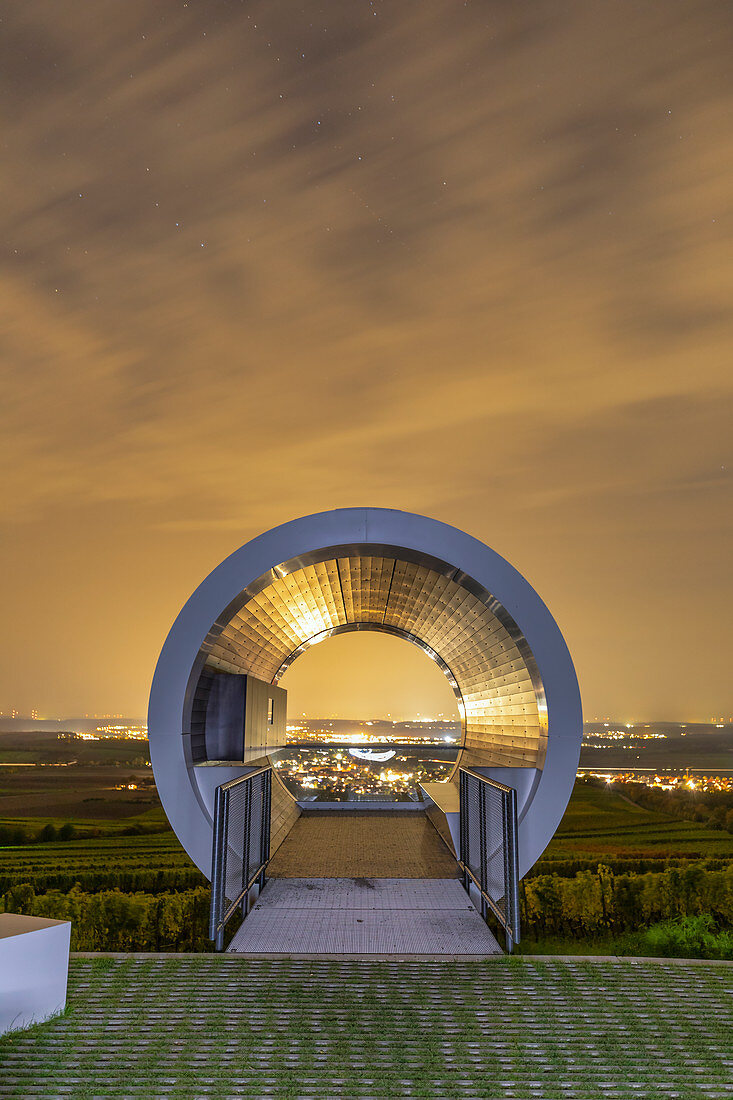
<point x="13" y="835"/>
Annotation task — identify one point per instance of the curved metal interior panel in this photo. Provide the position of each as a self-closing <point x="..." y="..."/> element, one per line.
<point x="396" y="590"/>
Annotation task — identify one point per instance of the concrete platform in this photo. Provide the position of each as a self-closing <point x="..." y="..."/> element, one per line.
<point x="347" y="843"/>
<point x="364" y="916"/>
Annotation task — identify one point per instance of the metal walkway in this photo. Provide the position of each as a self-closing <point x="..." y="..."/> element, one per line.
<point x="364" y="916"/>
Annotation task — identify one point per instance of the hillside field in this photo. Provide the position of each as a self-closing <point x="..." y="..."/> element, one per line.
<point x="604" y="825"/>
<point x="599" y="826"/>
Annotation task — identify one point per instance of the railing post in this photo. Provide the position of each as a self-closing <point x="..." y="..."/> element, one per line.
<point x="265" y="826"/>
<point x="507" y="870"/>
<point x="246" y="844"/>
<point x="216" y="862"/>
<point x="218" y="867"/>
<point x="513" y="863"/>
<point x="482" y="847"/>
<point x="462" y="826"/>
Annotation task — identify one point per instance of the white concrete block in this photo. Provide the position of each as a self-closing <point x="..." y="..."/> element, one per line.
<point x="34" y="968"/>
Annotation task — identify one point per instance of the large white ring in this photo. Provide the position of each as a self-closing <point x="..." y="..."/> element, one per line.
<point x="186" y="791"/>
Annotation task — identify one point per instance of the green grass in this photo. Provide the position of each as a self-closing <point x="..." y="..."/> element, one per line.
<point x="690" y="937"/>
<point x="509" y="1027"/>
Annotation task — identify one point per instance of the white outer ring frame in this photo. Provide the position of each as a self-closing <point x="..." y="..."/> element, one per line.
<point x="186" y="795"/>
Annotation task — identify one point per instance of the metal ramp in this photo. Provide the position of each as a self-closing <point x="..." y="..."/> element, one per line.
<point x="342" y="883"/>
<point x="364" y="916"/>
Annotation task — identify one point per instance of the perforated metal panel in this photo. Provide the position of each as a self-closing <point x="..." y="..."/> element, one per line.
<point x="241" y="845"/>
<point x="488" y="847"/>
<point x="474" y="639"/>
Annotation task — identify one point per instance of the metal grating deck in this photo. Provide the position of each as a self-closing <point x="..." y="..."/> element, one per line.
<point x="364" y="916"/>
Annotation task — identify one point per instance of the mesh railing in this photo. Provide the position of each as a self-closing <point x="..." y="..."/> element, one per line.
<point x="488" y="856"/>
<point x="241" y="849"/>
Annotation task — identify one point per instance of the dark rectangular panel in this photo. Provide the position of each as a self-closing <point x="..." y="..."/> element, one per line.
<point x="225" y="717"/>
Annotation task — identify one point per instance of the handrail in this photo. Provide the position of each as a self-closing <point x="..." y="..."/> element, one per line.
<point x="241" y="846"/>
<point x="489" y="852"/>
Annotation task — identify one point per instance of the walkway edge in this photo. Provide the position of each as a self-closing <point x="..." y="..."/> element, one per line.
<point x="514" y="959"/>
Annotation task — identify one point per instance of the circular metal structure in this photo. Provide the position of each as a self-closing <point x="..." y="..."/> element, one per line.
<point x="375" y="569"/>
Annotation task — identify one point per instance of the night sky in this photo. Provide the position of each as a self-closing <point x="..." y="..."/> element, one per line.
<point x="469" y="260"/>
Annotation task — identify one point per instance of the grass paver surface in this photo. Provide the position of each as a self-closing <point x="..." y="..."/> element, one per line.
<point x="223" y="1027"/>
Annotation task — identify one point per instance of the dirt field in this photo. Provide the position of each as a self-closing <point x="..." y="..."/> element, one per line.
<point x="75" y="792"/>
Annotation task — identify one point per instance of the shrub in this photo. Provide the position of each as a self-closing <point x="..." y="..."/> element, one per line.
<point x="594" y="904"/>
<point x="113" y="921"/>
<point x="688" y="938"/>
